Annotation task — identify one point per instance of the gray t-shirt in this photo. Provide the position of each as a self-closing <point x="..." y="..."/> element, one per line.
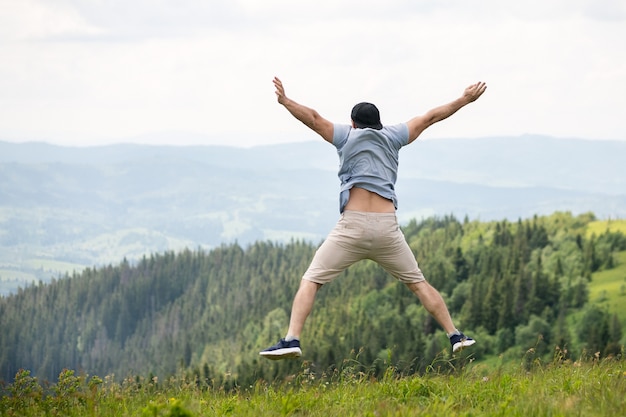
<point x="368" y="158"/>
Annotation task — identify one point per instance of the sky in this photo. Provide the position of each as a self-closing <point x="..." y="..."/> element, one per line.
<point x="182" y="72"/>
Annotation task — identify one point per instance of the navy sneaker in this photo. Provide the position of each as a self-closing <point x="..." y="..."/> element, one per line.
<point x="460" y="341"/>
<point x="283" y="350"/>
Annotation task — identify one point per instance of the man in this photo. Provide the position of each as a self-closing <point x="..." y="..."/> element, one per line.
<point x="367" y="228"/>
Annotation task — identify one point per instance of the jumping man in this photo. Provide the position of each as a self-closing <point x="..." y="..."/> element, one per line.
<point x="368" y="227"/>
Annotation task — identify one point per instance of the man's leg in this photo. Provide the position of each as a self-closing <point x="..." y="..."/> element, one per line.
<point x="433" y="303"/>
<point x="340" y="250"/>
<point x="302" y="306"/>
<point x="289" y="347"/>
<point x="395" y="255"/>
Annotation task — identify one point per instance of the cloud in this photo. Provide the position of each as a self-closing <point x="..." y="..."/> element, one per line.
<point x="97" y="71"/>
<point x="29" y="19"/>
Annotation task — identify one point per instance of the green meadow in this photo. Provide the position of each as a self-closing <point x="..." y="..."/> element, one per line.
<point x="608" y="288"/>
<point x="598" y="227"/>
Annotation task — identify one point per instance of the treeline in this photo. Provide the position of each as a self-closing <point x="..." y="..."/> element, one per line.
<point x="512" y="286"/>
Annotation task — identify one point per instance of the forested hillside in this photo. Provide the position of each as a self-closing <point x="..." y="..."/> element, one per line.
<point x="511" y="285"/>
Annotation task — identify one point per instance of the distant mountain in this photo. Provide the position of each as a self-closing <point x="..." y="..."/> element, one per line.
<point x="66" y="207"/>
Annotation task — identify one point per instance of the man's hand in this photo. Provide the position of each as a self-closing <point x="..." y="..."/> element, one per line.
<point x="280" y="91"/>
<point x="474" y="91"/>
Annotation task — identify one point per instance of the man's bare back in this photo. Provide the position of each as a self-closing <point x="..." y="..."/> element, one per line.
<point x="363" y="200"/>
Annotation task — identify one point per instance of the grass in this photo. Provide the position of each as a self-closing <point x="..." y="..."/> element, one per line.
<point x="561" y="388"/>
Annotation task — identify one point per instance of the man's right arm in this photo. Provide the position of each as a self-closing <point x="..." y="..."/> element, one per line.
<point x="306" y="115"/>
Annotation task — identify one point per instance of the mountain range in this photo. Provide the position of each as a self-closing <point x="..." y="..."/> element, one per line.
<point x="66" y="208"/>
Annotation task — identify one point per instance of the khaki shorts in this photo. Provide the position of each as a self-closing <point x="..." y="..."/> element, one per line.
<point x="361" y="235"/>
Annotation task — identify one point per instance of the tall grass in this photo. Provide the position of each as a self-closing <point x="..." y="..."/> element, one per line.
<point x="560" y="388"/>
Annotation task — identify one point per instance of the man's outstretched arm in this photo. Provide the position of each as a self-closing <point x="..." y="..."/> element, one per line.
<point x="306" y="115"/>
<point x="418" y="124"/>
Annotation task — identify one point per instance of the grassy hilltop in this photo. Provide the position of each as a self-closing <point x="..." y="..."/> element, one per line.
<point x="562" y="388"/>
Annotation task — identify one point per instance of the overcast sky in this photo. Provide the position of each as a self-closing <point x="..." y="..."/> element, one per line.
<point x="86" y="72"/>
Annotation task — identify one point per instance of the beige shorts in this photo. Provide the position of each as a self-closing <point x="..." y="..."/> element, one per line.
<point x="361" y="235"/>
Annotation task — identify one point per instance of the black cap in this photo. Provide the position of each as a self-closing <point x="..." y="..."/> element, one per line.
<point x="366" y="115"/>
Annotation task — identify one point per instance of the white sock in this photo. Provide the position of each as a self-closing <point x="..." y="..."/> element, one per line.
<point x="455" y="332"/>
<point x="289" y="338"/>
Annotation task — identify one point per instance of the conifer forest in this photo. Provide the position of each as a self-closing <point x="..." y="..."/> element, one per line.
<point x="512" y="286"/>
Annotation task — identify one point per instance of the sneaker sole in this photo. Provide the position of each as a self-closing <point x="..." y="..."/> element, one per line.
<point x="288" y="353"/>
<point x="459" y="346"/>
